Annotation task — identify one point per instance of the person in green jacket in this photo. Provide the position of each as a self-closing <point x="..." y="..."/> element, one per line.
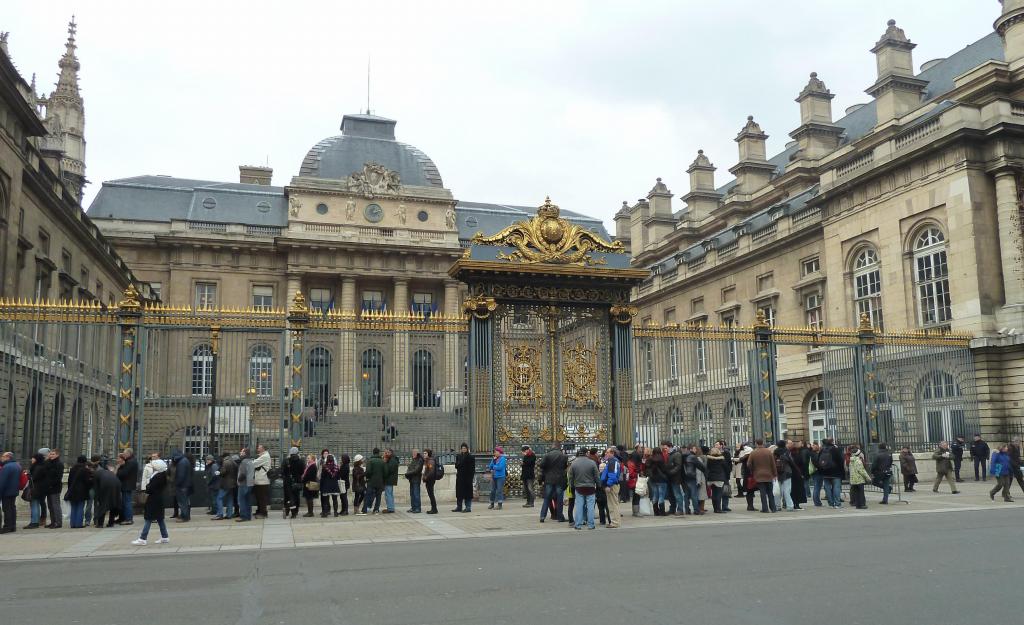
<point x="375" y="472"/>
<point x="858" y="478"/>
<point x="390" y="479"/>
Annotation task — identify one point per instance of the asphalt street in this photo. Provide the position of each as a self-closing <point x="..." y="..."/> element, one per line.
<point x="936" y="568"/>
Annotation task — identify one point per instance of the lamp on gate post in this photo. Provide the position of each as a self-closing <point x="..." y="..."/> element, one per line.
<point x="250" y="395"/>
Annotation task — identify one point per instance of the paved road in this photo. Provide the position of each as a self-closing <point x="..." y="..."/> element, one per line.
<point x="919" y="568"/>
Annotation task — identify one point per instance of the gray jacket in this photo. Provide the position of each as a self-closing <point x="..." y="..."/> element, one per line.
<point x="246" y="472"/>
<point x="583" y="473"/>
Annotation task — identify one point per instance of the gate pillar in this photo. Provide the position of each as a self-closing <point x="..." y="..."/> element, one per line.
<point x="481" y="358"/>
<point x="765" y="390"/>
<point x="129" y="317"/>
<point x="298" y="318"/>
<point x="866" y="383"/>
<point x="622" y="374"/>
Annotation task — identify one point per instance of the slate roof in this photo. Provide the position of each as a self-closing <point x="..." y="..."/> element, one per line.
<point x="364" y="139"/>
<point x="163" y="198"/>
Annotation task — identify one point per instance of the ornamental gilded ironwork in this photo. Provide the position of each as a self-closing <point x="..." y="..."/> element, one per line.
<point x="581" y="375"/>
<point x="549" y="238"/>
<point x="523" y="372"/>
<point x="480" y="306"/>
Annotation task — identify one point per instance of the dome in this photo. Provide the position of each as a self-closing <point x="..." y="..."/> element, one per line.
<point x="364" y="139"/>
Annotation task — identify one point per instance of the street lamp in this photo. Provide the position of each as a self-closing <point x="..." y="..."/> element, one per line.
<point x="251" y="397"/>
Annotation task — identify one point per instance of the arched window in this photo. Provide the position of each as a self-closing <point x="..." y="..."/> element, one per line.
<point x="318" y="368"/>
<point x="867" y="287"/>
<point x="931" y="277"/>
<point x="202" y="370"/>
<point x="705" y="423"/>
<point x="261" y="371"/>
<point x="942" y="407"/>
<point x="647" y="429"/>
<point x="821" y="416"/>
<point x="57" y="422"/>
<point x="675" y="425"/>
<point x="77" y="426"/>
<point x="423" y="392"/>
<point x="736" y="416"/>
<point x="372" y="378"/>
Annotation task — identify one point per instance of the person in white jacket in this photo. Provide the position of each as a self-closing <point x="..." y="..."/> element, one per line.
<point x="147" y="471"/>
<point x="261" y="480"/>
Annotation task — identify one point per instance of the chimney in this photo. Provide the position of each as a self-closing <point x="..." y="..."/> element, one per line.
<point x="897" y="91"/>
<point x="660" y="222"/>
<point x="254" y="174"/>
<point x="702" y="198"/>
<point x="817" y="135"/>
<point x="1010" y="27"/>
<point x="753" y="172"/>
<point x="622" y="232"/>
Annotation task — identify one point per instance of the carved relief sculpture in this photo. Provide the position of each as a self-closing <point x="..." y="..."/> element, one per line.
<point x="350" y="210"/>
<point x="548" y="238"/>
<point x="374" y="179"/>
<point x="400" y="213"/>
<point x="449" y="218"/>
<point x="293" y="206"/>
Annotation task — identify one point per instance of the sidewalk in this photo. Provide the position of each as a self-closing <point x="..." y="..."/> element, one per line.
<point x="204" y="535"/>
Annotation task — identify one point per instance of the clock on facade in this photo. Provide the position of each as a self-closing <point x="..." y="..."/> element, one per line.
<point x="373" y="213"/>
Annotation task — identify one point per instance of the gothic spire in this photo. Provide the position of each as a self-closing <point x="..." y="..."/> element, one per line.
<point x="67" y="81"/>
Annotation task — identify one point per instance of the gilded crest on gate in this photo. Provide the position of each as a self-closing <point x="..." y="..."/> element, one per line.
<point x="549" y="238"/>
<point x="523" y="372"/>
<point x="581" y="375"/>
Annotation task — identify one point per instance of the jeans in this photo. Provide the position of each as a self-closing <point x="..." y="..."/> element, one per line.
<point x="389" y="497"/>
<point x="834" y="490"/>
<point x="148" y="523"/>
<point x="244" y="504"/>
<point x="36" y="507"/>
<point x="816" y="489"/>
<point x="786" y="487"/>
<point x="691" y="496"/>
<point x="56" y="513"/>
<point x="414" y="495"/>
<point x="886" y="488"/>
<point x="678" y="496"/>
<point x="658" y="490"/>
<point x="127" y="514"/>
<point x="218" y="505"/>
<point x="497" y="490"/>
<point x="585" y="510"/>
<point x="980" y="462"/>
<point x="184" y="504"/>
<point x="88" y="508"/>
<point x="372" y="497"/>
<point x="78" y="513"/>
<point x="528" y="491"/>
<point x="767" y="496"/>
<point x="552" y="501"/>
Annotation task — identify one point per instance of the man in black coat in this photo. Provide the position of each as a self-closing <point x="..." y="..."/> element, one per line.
<point x="553" y="479"/>
<point x="529" y="463"/>
<point x="1015" y="470"/>
<point x="108" y="492"/>
<point x="957" y="449"/>
<point x="980" y="454"/>
<point x="881" y="471"/>
<point x="128" y="475"/>
<point x="54" y="468"/>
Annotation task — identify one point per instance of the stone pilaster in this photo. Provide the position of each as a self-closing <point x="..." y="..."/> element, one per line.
<point x="350" y="361"/>
<point x="1011" y="248"/>
<point x="401" y="393"/>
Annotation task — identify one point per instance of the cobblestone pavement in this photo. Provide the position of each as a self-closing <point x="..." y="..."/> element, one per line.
<point x="204" y="535"/>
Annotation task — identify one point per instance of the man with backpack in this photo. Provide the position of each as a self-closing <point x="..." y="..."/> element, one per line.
<point x="11" y="483"/>
<point x="831" y="467"/>
<point x="553" y="480"/>
<point x="611" y="477"/>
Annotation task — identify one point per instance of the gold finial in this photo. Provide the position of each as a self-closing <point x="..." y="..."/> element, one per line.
<point x="298" y="304"/>
<point x="865" y="323"/>
<point x="131" y="299"/>
<point x="760" y="321"/>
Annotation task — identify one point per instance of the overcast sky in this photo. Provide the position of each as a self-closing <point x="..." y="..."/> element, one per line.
<point x="585" y="101"/>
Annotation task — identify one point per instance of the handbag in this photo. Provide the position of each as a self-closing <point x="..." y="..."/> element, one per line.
<point x="26" y="495"/>
<point x="727" y="489"/>
<point x="342" y="487"/>
<point x="641" y="486"/>
<point x="646" y="508"/>
<point x="312" y="486"/>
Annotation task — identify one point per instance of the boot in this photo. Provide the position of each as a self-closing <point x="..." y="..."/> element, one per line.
<point x="309" y="508"/>
<point x="636" y="510"/>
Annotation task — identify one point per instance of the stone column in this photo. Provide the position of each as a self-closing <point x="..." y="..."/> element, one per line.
<point x="452" y="396"/>
<point x="294" y="286"/>
<point x="401" y="392"/>
<point x="1011" y="246"/>
<point x="348" y="356"/>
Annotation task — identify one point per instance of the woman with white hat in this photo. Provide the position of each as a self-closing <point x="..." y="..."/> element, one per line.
<point x="154" y="510"/>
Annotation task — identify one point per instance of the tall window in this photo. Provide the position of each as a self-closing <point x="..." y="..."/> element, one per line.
<point x="422" y="303"/>
<point x="768" y="310"/>
<point x="423" y="391"/>
<point x="262" y="297"/>
<point x="57" y="422"/>
<point x="319" y="387"/>
<point x="261" y="367"/>
<point x="821" y="417"/>
<point x="812" y="310"/>
<point x="373" y="300"/>
<point x="372" y="378"/>
<point x="931" y="277"/>
<point x="702" y="355"/>
<point x="321" y="299"/>
<point x="675" y="425"/>
<point x="202" y="370"/>
<point x="705" y="423"/>
<point x="731" y="346"/>
<point x="206" y="294"/>
<point x="648" y="362"/>
<point x="156" y="287"/>
<point x="945" y="417"/>
<point x="739" y="425"/>
<point x="867" y="287"/>
<point x="673" y="360"/>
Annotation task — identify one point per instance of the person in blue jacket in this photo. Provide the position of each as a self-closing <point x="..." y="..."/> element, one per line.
<point x="497" y="468"/>
<point x="10" y="487"/>
<point x="1002" y="471"/>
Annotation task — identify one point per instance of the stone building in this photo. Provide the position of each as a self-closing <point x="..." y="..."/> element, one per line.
<point x="906" y="209"/>
<point x="50" y="250"/>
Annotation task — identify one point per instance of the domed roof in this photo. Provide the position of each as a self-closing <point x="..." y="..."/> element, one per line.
<point x="364" y="139"/>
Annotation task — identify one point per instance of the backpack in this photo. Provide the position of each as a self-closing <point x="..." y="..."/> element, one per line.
<point x="780" y="465"/>
<point x="825" y="460"/>
<point x="438" y="469"/>
<point x="23" y="480"/>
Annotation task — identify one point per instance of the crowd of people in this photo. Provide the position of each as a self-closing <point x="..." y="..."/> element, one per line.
<point x="580" y="486"/>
